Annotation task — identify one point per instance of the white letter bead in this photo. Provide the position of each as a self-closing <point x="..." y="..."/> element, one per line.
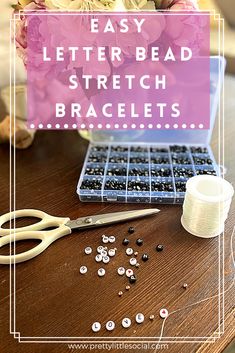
<point x="103" y="253"/>
<point x="121" y="271"/>
<point x="139" y="318"/>
<point x="101" y="272"/>
<point x="129" y="251"/>
<point x="129" y="272"/>
<point x="106" y="259"/>
<point x="83" y="270"/>
<point x="110" y="325"/>
<point x="100" y="248"/>
<point x="88" y="250"/>
<point x="112" y="239"/>
<point x="111" y="252"/>
<point x="98" y="258"/>
<point x="126" y="322"/>
<point x="163" y="313"/>
<point x="133" y="261"/>
<point x="105" y="239"/>
<point x="96" y="327"/>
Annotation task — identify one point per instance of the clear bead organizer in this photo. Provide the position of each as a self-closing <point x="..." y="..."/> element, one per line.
<point x="150" y="166"/>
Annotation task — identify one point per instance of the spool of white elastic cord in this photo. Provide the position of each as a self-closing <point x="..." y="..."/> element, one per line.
<point x="206" y="205"/>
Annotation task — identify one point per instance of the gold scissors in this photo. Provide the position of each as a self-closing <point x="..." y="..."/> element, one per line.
<point x="64" y="227"/>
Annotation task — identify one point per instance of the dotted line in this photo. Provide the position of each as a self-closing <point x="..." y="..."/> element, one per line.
<point x="116" y="126"/>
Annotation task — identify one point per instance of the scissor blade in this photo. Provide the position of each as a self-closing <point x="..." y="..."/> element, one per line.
<point x="110" y="218"/>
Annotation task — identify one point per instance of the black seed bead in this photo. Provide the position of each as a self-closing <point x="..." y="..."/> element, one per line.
<point x="180" y="159"/>
<point x="178" y="149"/>
<point x="206" y="172"/>
<point x="94" y="171"/>
<point x="115" y="184"/>
<point x="199" y="160"/>
<point x="131" y="230"/>
<point x="158" y="149"/>
<point x="139" y="242"/>
<point x="118" y="158"/>
<point x="145" y="257"/>
<point x="180" y="186"/>
<point x="119" y="149"/>
<point x="159" y="160"/>
<point x="161" y="172"/>
<point x="138" y="185"/>
<point x="183" y="172"/>
<point x="139" y="160"/>
<point x="97" y="158"/>
<point x="199" y="149"/>
<point x="139" y="149"/>
<point x="125" y="241"/>
<point x="99" y="148"/>
<point x="91" y="184"/>
<point x="116" y="171"/>
<point x="159" y="247"/>
<point x="162" y="186"/>
<point x="138" y="171"/>
<point x="132" y="279"/>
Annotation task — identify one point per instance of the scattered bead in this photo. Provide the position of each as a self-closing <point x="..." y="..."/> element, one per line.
<point x="106" y="259"/>
<point x="125" y="241"/>
<point x="151" y="317"/>
<point x="137" y="265"/>
<point x="111" y="252"/>
<point x="121" y="271"/>
<point x="110" y="326"/>
<point x="105" y="239"/>
<point x="83" y="270"/>
<point x="103" y="253"/>
<point x="136" y="253"/>
<point x="120" y="293"/>
<point x="129" y="272"/>
<point x="112" y="239"/>
<point x="139" y="318"/>
<point x="139" y="242"/>
<point x="145" y="257"/>
<point x="133" y="261"/>
<point x="128" y="287"/>
<point x="96" y="327"/>
<point x="129" y="251"/>
<point x="126" y="322"/>
<point x="88" y="250"/>
<point x="159" y="247"/>
<point x="101" y="272"/>
<point x="100" y="248"/>
<point x="132" y="279"/>
<point x="185" y="286"/>
<point x="131" y="230"/>
<point x="98" y="258"/>
<point x="163" y="313"/>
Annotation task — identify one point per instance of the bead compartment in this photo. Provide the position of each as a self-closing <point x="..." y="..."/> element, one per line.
<point x="142" y="173"/>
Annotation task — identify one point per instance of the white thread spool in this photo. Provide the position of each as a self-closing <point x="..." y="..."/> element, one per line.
<point x="206" y="205"/>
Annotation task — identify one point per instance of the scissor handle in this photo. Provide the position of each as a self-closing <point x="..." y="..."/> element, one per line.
<point x="46" y="237"/>
<point x="45" y="222"/>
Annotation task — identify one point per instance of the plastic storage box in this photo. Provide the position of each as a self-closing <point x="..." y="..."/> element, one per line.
<point x="150" y="166"/>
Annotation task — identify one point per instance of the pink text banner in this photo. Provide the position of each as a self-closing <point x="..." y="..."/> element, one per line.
<point x="139" y="70"/>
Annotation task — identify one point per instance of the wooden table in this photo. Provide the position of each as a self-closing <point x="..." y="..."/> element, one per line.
<point x="53" y="300"/>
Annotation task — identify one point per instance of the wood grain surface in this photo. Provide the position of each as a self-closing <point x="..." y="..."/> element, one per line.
<point x="53" y="300"/>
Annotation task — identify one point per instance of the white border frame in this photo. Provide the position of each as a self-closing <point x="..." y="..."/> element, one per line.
<point x="156" y="339"/>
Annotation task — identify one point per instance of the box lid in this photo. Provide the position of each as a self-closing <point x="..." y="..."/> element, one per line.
<point x="217" y="68"/>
